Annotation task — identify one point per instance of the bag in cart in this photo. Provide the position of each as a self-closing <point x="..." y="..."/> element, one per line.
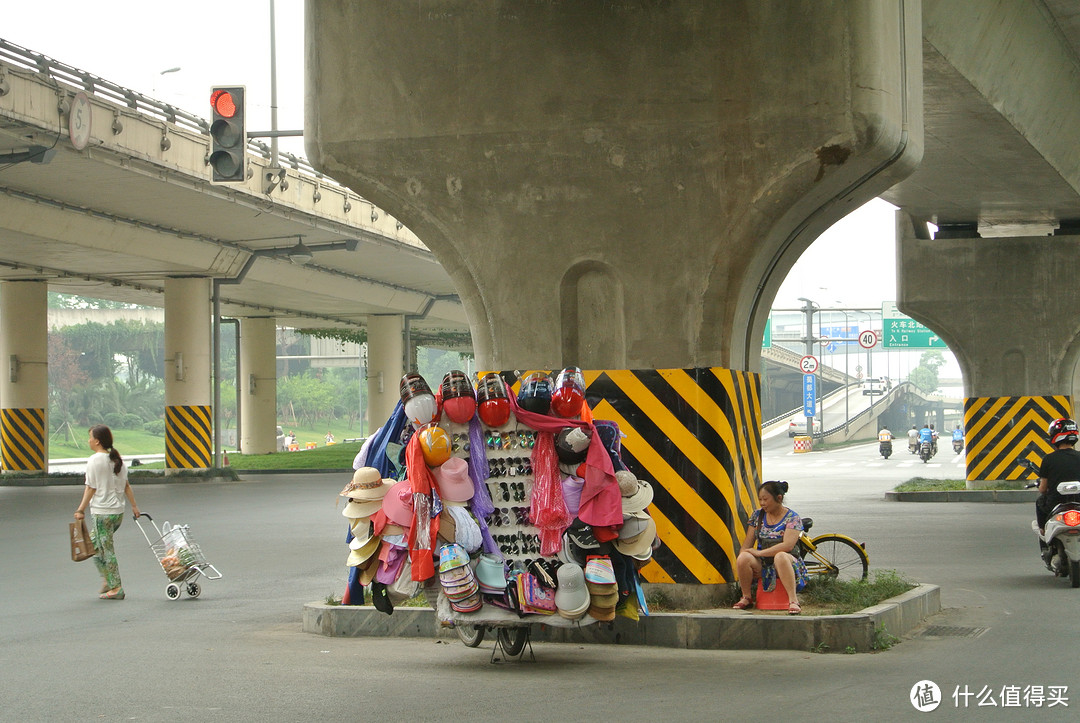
<point x="179" y="556"/>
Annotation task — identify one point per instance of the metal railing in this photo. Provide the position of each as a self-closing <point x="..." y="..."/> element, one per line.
<point x="64" y="75"/>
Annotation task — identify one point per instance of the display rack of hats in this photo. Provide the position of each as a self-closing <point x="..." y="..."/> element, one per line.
<point x="490" y="569"/>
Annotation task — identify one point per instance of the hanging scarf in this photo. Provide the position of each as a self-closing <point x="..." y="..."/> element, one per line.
<point x="547" y="509"/>
<point x="481" y="503"/>
<point x="389" y="433"/>
<point x="424" y="526"/>
<point x="601" y="501"/>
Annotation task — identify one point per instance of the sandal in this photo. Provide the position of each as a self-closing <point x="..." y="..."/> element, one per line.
<point x="794" y="608"/>
<point x="744" y="602"/>
<point x="117" y="594"/>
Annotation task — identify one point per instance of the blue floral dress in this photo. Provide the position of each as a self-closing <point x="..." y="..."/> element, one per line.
<point x="769" y="535"/>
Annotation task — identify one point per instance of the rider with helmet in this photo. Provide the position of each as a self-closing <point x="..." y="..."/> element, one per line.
<point x="1061" y="465"/>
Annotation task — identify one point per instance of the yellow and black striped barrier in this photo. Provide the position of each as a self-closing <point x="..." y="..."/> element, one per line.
<point x="188" y="437"/>
<point x="1001" y="432"/>
<point x="696" y="435"/>
<point x="23" y="434"/>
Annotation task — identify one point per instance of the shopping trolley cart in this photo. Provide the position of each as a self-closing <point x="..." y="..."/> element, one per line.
<point x="180" y="557"/>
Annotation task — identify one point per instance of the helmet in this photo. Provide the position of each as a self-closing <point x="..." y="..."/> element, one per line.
<point x="493" y="405"/>
<point x="459" y="398"/>
<point x="535" y="394"/>
<point x="1062" y="430"/>
<point x="569" y="395"/>
<point x="434" y="444"/>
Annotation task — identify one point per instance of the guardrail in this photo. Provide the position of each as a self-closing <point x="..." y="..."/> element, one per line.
<point x="76" y="79"/>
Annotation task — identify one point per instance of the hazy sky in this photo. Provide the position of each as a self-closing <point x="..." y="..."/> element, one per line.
<point x="215" y="42"/>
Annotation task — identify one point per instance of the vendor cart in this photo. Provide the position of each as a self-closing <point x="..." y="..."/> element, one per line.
<point x="180" y="557"/>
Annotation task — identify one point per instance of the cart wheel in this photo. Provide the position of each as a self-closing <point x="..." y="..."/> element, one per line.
<point x="513" y="640"/>
<point x="172" y="590"/>
<point x="193" y="589"/>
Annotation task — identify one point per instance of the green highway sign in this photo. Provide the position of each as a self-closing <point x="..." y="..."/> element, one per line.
<point x="899" y="331"/>
<point x="766" y="340"/>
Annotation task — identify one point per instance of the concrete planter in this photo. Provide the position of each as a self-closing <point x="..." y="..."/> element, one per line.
<point x="707" y="630"/>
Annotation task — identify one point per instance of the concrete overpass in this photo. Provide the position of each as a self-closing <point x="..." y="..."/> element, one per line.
<point x="106" y="193"/>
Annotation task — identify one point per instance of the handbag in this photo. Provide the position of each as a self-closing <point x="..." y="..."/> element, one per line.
<point x="81" y="546"/>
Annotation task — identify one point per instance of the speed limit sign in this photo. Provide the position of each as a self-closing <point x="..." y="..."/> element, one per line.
<point x="867" y="339"/>
<point x="808" y="364"/>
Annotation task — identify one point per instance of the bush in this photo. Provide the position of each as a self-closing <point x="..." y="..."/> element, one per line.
<point x="132" y="421"/>
<point x="115" y="420"/>
<point x="155" y="427"/>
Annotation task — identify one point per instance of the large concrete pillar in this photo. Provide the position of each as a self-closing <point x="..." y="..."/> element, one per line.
<point x="24" y="382"/>
<point x="188" y="398"/>
<point x="1003" y="305"/>
<point x="623" y="184"/>
<point x="258" y="380"/>
<point x="385" y="367"/>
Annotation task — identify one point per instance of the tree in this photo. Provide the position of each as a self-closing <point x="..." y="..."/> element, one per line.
<point x="66" y="376"/>
<point x="925" y="376"/>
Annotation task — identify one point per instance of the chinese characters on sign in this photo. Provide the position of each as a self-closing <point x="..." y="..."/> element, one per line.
<point x="899" y="331"/>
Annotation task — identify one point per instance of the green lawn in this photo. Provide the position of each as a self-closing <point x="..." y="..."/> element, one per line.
<point x="126" y="441"/>
<point x="136" y="441"/>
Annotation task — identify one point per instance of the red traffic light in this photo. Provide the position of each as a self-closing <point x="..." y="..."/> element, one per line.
<point x="223" y="103"/>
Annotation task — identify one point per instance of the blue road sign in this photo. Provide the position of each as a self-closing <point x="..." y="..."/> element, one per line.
<point x="809" y="388"/>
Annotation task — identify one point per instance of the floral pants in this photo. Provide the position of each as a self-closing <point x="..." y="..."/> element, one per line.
<point x="101" y="534"/>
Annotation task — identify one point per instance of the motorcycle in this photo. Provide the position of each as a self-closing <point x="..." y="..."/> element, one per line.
<point x="1062" y="532"/>
<point x="885" y="449"/>
<point x="913" y="445"/>
<point x="957" y="446"/>
<point x="926" y="451"/>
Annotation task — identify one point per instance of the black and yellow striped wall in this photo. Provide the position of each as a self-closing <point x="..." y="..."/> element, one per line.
<point x="1001" y="432"/>
<point x="188" y="443"/>
<point x="695" y="434"/>
<point x="22" y="433"/>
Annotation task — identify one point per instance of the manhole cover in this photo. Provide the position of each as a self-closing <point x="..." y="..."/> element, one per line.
<point x="951" y="631"/>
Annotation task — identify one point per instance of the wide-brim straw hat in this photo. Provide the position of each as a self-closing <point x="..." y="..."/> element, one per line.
<point x="366" y="484"/>
<point x="361" y="510"/>
<point x="637" y="502"/>
<point x="640" y="544"/>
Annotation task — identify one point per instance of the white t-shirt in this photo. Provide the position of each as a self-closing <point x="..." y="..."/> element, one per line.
<point x="108" y="488"/>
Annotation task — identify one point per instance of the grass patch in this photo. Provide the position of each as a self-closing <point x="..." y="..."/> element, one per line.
<point x="128" y="441"/>
<point x="335" y="456"/>
<point x="842" y="598"/>
<point x="923" y="484"/>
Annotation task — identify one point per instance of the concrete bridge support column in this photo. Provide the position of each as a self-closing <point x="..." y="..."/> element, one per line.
<point x="258" y="378"/>
<point x="24" y="383"/>
<point x="386" y="365"/>
<point x="621" y="185"/>
<point x="188" y="398"/>
<point x="1005" y="308"/>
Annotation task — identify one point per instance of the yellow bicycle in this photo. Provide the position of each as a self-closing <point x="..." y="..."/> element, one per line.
<point x="833" y="555"/>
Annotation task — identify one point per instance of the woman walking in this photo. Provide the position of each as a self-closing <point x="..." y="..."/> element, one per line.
<point x="106" y="487"/>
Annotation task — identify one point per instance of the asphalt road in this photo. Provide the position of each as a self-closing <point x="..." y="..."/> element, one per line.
<point x="237" y="653"/>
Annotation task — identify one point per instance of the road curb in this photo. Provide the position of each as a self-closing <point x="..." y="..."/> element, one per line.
<point x="704" y="630"/>
<point x="1006" y="496"/>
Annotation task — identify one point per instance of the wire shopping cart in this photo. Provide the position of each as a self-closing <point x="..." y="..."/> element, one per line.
<point x="180" y="557"/>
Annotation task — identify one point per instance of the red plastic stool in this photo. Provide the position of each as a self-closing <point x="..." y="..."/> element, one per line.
<point x="775" y="600"/>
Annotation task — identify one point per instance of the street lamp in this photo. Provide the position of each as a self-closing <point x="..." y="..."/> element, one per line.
<point x="847" y="376"/>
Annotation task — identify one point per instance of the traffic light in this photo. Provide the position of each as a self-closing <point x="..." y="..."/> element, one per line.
<point x="228" y="139"/>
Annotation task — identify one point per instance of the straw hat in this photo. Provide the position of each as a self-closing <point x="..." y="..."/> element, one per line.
<point x="637" y="502"/>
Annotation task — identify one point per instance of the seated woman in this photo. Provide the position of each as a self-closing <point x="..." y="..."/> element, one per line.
<point x="768" y="551"/>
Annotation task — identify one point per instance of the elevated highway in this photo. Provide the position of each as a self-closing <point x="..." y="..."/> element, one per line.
<point x="105" y="192"/>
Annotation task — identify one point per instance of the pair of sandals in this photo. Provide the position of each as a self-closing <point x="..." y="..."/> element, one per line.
<point x="745" y="602"/>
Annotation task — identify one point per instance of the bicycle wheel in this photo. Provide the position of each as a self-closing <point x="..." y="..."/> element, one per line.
<point x="513" y="640"/>
<point x="471" y="635"/>
<point x="839" y="556"/>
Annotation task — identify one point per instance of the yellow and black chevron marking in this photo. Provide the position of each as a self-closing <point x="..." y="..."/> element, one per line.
<point x="1001" y="432"/>
<point x="187" y="437"/>
<point x="23" y="435"/>
<point x="696" y="434"/>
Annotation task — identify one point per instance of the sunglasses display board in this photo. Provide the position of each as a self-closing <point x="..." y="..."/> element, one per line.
<point x="506" y="507"/>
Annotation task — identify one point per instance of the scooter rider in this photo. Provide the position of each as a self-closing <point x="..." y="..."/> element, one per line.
<point x="926" y="434"/>
<point x="934" y="435"/>
<point x="1061" y="465"/>
<point x="958" y="436"/>
<point x="913" y="439"/>
<point x="884" y="435"/>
